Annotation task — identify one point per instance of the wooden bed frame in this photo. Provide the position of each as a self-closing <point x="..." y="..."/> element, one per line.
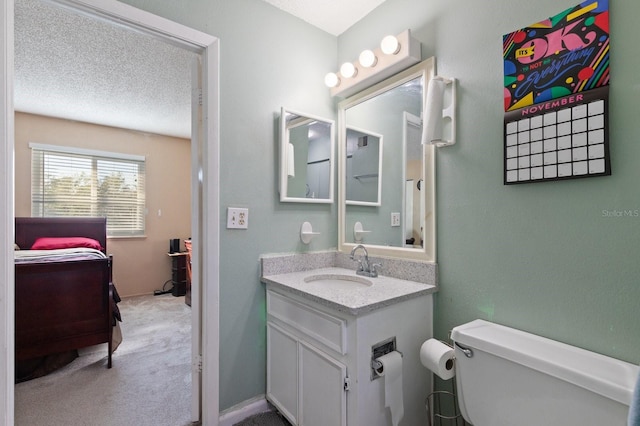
<point x="61" y="306"/>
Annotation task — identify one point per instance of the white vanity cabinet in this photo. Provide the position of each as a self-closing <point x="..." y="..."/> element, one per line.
<point x="319" y="360"/>
<point x="303" y="382"/>
<point x="306" y="383"/>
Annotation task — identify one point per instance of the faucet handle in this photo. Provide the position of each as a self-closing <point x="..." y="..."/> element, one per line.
<point x="374" y="269"/>
<point x="360" y="265"/>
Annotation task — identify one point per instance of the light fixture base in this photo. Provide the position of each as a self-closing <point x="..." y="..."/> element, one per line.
<point x="386" y="66"/>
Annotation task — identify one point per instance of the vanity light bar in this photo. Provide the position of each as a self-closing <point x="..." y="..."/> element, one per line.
<point x="395" y="54"/>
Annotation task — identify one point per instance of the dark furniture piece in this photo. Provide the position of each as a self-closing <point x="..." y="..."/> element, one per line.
<point x="178" y="273"/>
<point x="61" y="306"/>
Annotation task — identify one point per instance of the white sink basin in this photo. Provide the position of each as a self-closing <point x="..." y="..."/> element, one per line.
<point x="338" y="281"/>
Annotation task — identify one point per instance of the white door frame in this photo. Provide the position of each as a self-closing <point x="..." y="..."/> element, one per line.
<point x="408" y="119"/>
<point x="204" y="218"/>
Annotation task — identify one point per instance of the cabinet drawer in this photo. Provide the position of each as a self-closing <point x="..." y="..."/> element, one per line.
<point x="320" y="326"/>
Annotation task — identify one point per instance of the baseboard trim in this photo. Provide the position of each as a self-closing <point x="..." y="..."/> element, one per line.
<point x="245" y="409"/>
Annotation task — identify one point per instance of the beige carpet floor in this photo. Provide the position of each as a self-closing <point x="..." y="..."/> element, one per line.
<point x="149" y="384"/>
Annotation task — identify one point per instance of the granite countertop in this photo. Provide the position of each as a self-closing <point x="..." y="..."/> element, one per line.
<point x="353" y="299"/>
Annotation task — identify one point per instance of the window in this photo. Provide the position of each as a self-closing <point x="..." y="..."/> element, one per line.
<point x="77" y="182"/>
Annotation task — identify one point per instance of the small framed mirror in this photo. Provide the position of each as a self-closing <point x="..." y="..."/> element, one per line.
<point x="364" y="167"/>
<point x="306" y="158"/>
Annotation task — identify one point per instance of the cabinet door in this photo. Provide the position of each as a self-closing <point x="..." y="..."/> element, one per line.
<point x="323" y="400"/>
<point x="282" y="371"/>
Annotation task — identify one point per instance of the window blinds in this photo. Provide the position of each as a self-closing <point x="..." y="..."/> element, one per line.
<point x="78" y="182"/>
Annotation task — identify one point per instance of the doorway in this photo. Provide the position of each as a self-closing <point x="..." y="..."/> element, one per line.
<point x="205" y="194"/>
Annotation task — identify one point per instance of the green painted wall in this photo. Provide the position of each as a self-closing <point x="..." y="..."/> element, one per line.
<point x="269" y="59"/>
<point x="540" y="257"/>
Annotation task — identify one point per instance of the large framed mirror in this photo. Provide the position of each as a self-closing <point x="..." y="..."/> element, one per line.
<point x="306" y="158"/>
<point x="401" y="223"/>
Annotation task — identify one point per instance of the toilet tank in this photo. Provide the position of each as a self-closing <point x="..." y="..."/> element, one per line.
<point x="507" y="377"/>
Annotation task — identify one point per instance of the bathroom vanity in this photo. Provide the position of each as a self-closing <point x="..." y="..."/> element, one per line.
<point x="327" y="326"/>
<point x="323" y="328"/>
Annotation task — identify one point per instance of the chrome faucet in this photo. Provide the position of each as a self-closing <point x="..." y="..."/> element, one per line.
<point x="364" y="266"/>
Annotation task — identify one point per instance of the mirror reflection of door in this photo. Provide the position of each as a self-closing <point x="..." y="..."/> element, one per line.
<point x="318" y="160"/>
<point x="298" y="152"/>
<point x="413" y="166"/>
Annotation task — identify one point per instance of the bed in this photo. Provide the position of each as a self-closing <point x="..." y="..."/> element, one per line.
<point x="63" y="305"/>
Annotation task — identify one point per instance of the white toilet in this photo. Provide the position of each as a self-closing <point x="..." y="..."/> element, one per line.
<point x="506" y="377"/>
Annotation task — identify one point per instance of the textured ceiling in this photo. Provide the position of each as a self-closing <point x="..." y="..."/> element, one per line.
<point x="333" y="16"/>
<point x="71" y="66"/>
<point x="75" y="67"/>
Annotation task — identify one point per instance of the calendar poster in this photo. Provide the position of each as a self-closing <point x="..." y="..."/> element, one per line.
<point x="556" y="96"/>
<point x="567" y="53"/>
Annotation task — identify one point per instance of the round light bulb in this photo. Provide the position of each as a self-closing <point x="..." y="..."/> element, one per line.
<point x="367" y="59"/>
<point x="331" y="80"/>
<point x="390" y="45"/>
<point x="348" y="70"/>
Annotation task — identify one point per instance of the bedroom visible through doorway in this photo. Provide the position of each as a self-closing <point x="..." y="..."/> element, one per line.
<point x="204" y="162"/>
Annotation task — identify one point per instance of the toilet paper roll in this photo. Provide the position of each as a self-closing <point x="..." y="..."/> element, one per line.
<point x="432" y="111"/>
<point x="438" y="357"/>
<point x="391" y="370"/>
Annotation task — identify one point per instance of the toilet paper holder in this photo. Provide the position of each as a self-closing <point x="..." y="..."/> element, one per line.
<point x="378" y="350"/>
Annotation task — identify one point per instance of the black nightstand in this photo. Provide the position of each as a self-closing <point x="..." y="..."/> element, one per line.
<point x="178" y="273"/>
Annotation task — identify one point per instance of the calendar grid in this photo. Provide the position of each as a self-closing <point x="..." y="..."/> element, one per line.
<point x="566" y="138"/>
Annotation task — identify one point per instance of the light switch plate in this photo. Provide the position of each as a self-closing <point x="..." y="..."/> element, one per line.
<point x="237" y="218"/>
<point x="395" y="219"/>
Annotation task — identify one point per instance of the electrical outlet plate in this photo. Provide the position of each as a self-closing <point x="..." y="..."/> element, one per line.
<point x="395" y="219"/>
<point x="237" y="218"/>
